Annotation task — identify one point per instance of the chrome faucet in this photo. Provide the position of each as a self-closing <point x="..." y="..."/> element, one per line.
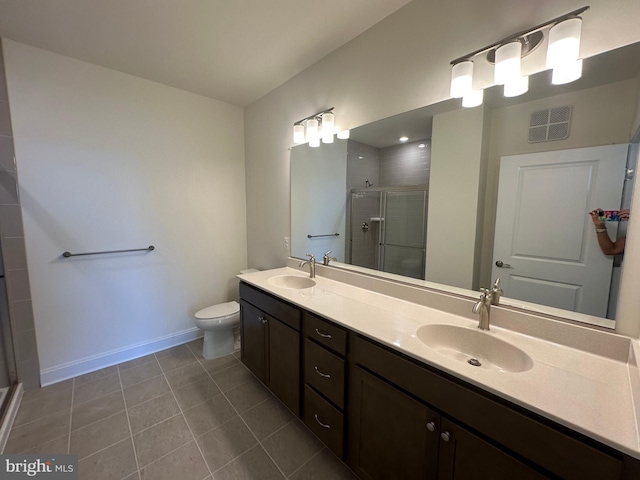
<point x="312" y="265"/>
<point x="326" y="258"/>
<point x="496" y="293"/>
<point x="482" y="308"/>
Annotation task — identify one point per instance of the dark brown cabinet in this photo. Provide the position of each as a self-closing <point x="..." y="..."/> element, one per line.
<point x="270" y="331"/>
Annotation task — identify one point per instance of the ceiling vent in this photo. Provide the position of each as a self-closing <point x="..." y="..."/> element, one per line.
<point x="549" y="125"/>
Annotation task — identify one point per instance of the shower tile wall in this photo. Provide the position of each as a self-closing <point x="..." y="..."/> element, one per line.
<point x="363" y="164"/>
<point x="405" y="164"/>
<point x="13" y="251"/>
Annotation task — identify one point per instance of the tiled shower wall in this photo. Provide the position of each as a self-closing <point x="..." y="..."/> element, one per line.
<point x="399" y="165"/>
<point x="13" y="251"/>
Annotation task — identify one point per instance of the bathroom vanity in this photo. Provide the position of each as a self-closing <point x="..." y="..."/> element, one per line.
<point x="373" y="377"/>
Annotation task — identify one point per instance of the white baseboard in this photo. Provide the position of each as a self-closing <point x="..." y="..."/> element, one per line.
<point x="96" y="362"/>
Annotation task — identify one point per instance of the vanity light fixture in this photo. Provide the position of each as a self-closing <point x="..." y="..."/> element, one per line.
<point x="318" y="126"/>
<point x="343" y="134"/>
<point x="563" y="52"/>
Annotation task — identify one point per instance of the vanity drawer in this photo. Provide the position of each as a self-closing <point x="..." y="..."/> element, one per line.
<point x="324" y="420"/>
<point x="284" y="312"/>
<point x="326" y="333"/>
<point x="324" y="371"/>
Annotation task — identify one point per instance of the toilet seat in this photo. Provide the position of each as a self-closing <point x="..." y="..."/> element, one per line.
<point x="220" y="311"/>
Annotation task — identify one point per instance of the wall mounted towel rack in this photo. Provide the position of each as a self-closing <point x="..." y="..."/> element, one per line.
<point x="69" y="254"/>
<point x="327" y="235"/>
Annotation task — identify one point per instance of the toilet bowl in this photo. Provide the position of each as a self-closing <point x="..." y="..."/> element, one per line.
<point x="219" y="323"/>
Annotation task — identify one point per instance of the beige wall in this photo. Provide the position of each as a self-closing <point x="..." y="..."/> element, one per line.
<point x="400" y="64"/>
<point x="109" y="161"/>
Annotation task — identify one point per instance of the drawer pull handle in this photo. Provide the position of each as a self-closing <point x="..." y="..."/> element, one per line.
<point x="446" y="436"/>
<point x="323" y="334"/>
<point x="323" y="375"/>
<point x="323" y="425"/>
<point x="431" y="426"/>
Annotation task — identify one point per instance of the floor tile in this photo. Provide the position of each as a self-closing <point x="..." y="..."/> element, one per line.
<point x="196" y="393"/>
<point x="43" y="405"/>
<point x="37" y="393"/>
<point x="251" y="465"/>
<point x="98" y="374"/>
<point x="292" y="446"/>
<point x="34" y="434"/>
<point x="154" y="411"/>
<point x="157" y="441"/>
<point x="325" y="465"/>
<point x="218" y="364"/>
<point x="184" y="375"/>
<point x="95" y="410"/>
<point x="208" y="415"/>
<point x="232" y="377"/>
<point x="185" y="463"/>
<point x="87" y="391"/>
<point x="267" y="417"/>
<point x="140" y="373"/>
<point x="56" y="446"/>
<point x="248" y="395"/>
<point x="226" y="442"/>
<point x="175" y="357"/>
<point x="136" y="362"/>
<point x="92" y="438"/>
<point x="113" y="463"/>
<point x="145" y="391"/>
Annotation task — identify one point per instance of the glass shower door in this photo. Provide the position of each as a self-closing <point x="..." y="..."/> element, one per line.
<point x="365" y="229"/>
<point x="403" y="246"/>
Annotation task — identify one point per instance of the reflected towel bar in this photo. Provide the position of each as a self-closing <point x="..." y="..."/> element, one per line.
<point x="327" y="235"/>
<point x="69" y="254"/>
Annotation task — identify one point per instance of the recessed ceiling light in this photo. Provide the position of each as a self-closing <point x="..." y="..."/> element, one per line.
<point x="422" y="145"/>
<point x="403" y="139"/>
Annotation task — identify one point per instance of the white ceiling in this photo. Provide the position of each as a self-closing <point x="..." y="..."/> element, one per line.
<point x="231" y="50"/>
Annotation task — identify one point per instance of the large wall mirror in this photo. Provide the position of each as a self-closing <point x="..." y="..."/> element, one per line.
<point x="503" y="190"/>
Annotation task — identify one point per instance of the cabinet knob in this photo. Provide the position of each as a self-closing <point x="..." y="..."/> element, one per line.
<point x="323" y="425"/>
<point x="263" y="320"/>
<point x="445" y="436"/>
<point x="431" y="426"/>
<point x="322" y="374"/>
<point x="323" y="334"/>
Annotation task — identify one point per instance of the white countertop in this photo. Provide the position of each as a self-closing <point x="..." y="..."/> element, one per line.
<point x="589" y="393"/>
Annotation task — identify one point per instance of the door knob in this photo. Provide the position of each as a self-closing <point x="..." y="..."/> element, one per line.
<point x="501" y="264"/>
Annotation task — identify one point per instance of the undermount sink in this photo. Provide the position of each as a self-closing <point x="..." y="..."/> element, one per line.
<point x="475" y="347"/>
<point x="293" y="282"/>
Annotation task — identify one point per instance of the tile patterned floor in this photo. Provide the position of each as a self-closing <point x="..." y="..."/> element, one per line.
<point x="172" y="415"/>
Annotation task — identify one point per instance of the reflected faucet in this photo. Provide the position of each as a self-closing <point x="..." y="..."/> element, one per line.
<point x="312" y="265"/>
<point x="326" y="258"/>
<point x="482" y="308"/>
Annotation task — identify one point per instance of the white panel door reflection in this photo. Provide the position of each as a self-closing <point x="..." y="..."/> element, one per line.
<point x="545" y="248"/>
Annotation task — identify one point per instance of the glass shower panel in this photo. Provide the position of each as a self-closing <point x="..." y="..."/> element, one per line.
<point x="404" y="235"/>
<point x="365" y="229"/>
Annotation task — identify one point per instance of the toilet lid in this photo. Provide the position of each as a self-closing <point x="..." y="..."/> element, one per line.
<point x="219" y="310"/>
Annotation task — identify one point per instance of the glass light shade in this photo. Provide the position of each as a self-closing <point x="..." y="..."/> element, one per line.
<point x="314" y="142"/>
<point x="461" y="78"/>
<point x="507" y="63"/>
<point x="328" y="121"/>
<point x="327" y="136"/>
<point x="473" y="99"/>
<point x="564" y="42"/>
<point x="298" y="133"/>
<point x="516" y="87"/>
<point x="343" y="134"/>
<point x="567" y="72"/>
<point x="313" y="132"/>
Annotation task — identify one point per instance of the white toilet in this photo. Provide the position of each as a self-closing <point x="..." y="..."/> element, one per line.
<point x="221" y="325"/>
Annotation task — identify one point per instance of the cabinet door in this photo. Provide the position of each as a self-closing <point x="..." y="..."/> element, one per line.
<point x="464" y="456"/>
<point x="390" y="433"/>
<point x="284" y="364"/>
<point x="252" y="331"/>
